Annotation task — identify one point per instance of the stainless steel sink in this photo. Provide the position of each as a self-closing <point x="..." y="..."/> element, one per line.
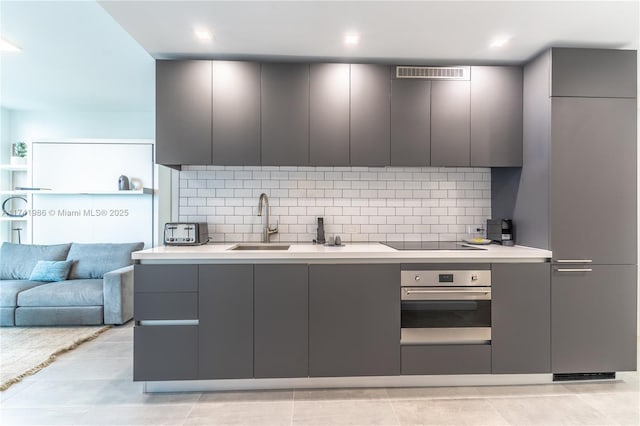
<point x="260" y="247"/>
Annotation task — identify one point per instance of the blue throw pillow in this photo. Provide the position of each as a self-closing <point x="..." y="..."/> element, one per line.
<point x="51" y="270"/>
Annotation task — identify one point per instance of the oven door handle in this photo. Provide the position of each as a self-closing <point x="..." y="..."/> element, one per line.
<point x="422" y="293"/>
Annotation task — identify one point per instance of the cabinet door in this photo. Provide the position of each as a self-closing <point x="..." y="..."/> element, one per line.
<point x="236" y="113"/>
<point x="593" y="180"/>
<point x="281" y="337"/>
<point x="285" y="114"/>
<point x="496" y="117"/>
<point x="446" y="359"/>
<point x="370" y="114"/>
<point x="354" y="320"/>
<point x="163" y="292"/>
<point x="183" y="112"/>
<point x="167" y="352"/>
<point x="450" y="101"/>
<point x="521" y="318"/>
<point x="226" y="321"/>
<point x="593" y="316"/>
<point x="329" y="114"/>
<point x="410" y="123"/>
<point x="607" y="73"/>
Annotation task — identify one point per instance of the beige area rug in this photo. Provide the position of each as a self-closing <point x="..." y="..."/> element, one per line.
<point x="26" y="350"/>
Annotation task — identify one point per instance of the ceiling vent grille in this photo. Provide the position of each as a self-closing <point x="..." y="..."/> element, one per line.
<point x="433" y="73"/>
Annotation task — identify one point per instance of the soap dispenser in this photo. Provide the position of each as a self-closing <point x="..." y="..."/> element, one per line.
<point x="320" y="237"/>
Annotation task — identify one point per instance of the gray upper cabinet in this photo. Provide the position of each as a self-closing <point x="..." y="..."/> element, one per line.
<point x="496" y="116"/>
<point x="593" y="186"/>
<point x="410" y="122"/>
<point x="329" y="114"/>
<point x="183" y="112"/>
<point x="354" y="320"/>
<point x="285" y="114"/>
<point x="370" y="115"/>
<point x="236" y="113"/>
<point x="603" y="73"/>
<point x="281" y="333"/>
<point x="594" y="319"/>
<point x="225" y="331"/>
<point x="450" y="122"/>
<point x="520" y="318"/>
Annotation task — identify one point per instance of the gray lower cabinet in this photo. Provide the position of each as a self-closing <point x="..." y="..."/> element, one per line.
<point x="593" y="186"/>
<point x="370" y="115"/>
<point x="225" y="332"/>
<point x="165" y="352"/>
<point x="446" y="359"/>
<point x="520" y="318"/>
<point x="285" y="114"/>
<point x="603" y="73"/>
<point x="410" y="123"/>
<point x="354" y="320"/>
<point x="281" y="332"/>
<point x="593" y="318"/>
<point x="236" y="113"/>
<point x="183" y="112"/>
<point x="496" y="116"/>
<point x="329" y="101"/>
<point x="450" y="123"/>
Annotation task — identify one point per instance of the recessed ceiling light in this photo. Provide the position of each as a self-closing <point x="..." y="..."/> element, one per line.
<point x="500" y="41"/>
<point x="5" y="46"/>
<point x="203" y="34"/>
<point x="351" y="39"/>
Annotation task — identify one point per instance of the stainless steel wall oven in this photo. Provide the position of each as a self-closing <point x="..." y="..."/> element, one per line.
<point x="446" y="306"/>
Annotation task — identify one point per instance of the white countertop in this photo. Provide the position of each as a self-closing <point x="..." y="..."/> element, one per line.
<point x="350" y="253"/>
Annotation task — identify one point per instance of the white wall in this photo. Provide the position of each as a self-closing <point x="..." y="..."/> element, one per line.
<point x="31" y="125"/>
<point x="5" y="135"/>
<point x="5" y="146"/>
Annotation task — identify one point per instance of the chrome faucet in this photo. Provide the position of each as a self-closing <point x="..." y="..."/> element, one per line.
<point x="268" y="231"/>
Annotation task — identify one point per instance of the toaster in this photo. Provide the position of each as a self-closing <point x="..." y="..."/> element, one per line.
<point x="185" y="233"/>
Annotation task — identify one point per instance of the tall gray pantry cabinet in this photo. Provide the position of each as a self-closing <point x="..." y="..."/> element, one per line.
<point x="576" y="195"/>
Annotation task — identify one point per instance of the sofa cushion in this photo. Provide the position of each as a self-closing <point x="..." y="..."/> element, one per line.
<point x="51" y="270"/>
<point x="17" y="260"/>
<point x="64" y="293"/>
<point x="95" y="260"/>
<point x="9" y="290"/>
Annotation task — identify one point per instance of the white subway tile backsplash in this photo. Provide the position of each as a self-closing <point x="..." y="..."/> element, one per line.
<point x="357" y="203"/>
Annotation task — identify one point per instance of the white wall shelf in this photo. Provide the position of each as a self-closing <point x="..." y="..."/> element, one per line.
<point x="10" y="192"/>
<point x="14" y="167"/>
<point x="13" y="219"/>
<point x="131" y="192"/>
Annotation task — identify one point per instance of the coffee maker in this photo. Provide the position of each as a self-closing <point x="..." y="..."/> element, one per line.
<point x="501" y="231"/>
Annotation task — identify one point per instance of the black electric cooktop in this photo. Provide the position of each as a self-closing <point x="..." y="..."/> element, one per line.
<point x="430" y="245"/>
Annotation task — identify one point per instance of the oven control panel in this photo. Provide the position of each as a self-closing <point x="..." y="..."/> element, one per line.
<point x="445" y="278"/>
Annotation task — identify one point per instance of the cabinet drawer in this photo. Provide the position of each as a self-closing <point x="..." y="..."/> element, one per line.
<point x="158" y="278"/>
<point x="165" y="353"/>
<point x="165" y="306"/>
<point x="446" y="359"/>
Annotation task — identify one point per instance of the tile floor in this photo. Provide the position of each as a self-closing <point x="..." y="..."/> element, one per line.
<point x="92" y="386"/>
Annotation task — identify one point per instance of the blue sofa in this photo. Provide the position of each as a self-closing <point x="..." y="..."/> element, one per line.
<point x="98" y="289"/>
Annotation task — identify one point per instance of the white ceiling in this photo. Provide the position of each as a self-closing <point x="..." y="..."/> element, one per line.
<point x="87" y="55"/>
<point x="399" y="31"/>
